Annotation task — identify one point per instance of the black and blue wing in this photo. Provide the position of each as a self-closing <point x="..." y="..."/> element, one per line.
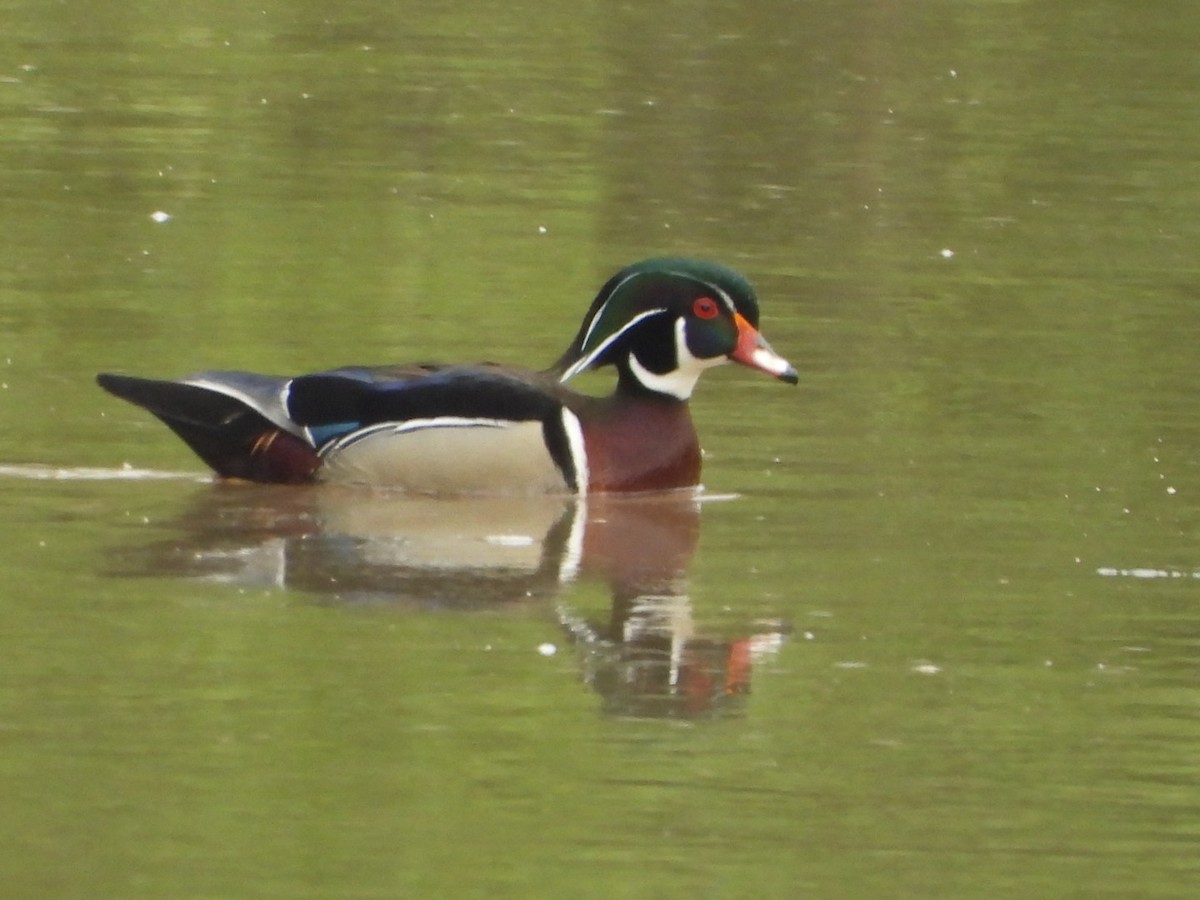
<point x="332" y="405"/>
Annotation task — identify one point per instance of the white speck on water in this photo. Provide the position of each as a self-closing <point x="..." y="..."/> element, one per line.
<point x="160" y="216"/>
<point x="541" y="229"/>
<point x="1171" y="490"/>
<point x="926" y="669"/>
<point x="547" y="649"/>
<point x="947" y="253"/>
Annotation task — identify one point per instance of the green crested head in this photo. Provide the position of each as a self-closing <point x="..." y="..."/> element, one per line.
<point x="664" y="320"/>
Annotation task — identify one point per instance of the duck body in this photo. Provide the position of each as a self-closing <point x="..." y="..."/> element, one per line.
<point x="487" y="428"/>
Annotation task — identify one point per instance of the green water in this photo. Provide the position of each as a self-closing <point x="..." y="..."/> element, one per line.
<point x="944" y="640"/>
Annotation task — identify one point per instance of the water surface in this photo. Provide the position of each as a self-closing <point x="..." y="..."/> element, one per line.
<point x="933" y="631"/>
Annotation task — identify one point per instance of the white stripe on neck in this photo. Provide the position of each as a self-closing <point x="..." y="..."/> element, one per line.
<point x="680" y="381"/>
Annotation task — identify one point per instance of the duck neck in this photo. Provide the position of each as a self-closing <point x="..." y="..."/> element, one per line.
<point x="641" y="440"/>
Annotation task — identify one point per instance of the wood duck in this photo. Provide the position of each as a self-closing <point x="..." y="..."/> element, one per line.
<point x="488" y="428"/>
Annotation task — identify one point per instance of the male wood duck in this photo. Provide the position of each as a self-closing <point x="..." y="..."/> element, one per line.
<point x="488" y="428"/>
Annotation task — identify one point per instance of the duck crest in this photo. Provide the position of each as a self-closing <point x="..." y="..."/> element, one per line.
<point x="643" y="290"/>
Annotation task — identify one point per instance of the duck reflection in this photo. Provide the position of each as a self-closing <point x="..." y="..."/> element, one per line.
<point x="645" y="654"/>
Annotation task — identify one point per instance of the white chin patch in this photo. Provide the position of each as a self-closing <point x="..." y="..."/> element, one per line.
<point x="680" y="381"/>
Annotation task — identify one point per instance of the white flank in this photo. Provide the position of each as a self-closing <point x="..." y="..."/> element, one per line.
<point x="447" y="455"/>
<point x="411" y="425"/>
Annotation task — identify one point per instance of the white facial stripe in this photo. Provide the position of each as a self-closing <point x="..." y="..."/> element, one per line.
<point x="586" y="361"/>
<point x="680" y="381"/>
<point x="603" y="306"/>
<point x="725" y="298"/>
<point x="674" y="384"/>
<point x="604" y="345"/>
<point x="716" y="289"/>
<point x="582" y="364"/>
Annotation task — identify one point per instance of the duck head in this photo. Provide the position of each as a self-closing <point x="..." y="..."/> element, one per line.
<point x="663" y="321"/>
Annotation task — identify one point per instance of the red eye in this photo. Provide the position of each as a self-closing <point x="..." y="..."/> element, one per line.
<point x="705" y="308"/>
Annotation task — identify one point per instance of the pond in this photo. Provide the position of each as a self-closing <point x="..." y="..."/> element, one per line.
<point x="932" y="626"/>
